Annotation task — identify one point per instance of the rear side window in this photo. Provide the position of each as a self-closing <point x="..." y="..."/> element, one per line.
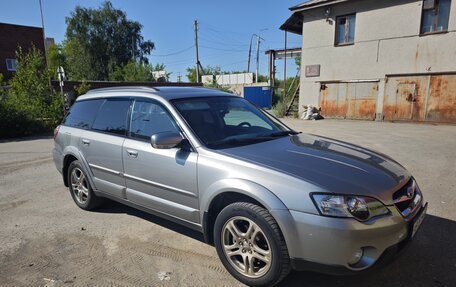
<point x="112" y="117"/>
<point x="82" y="114"/>
<point x="148" y="118"/>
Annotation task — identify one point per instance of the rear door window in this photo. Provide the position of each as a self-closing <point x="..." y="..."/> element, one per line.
<point x="112" y="117"/>
<point x="82" y="114"/>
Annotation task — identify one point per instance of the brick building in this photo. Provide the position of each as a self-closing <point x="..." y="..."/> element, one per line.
<point x="12" y="36"/>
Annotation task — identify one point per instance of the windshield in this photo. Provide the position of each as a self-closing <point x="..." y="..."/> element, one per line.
<point x="222" y="122"/>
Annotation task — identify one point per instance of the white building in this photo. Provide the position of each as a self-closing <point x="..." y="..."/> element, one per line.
<point x="370" y="59"/>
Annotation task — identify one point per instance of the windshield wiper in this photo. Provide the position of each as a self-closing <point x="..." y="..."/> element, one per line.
<point x="236" y="140"/>
<point x="282" y="133"/>
<point x="239" y="141"/>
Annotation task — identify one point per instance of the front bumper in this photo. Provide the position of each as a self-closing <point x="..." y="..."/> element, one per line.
<point x="389" y="255"/>
<point x="326" y="244"/>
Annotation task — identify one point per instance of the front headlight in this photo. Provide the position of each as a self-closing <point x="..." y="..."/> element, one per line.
<point x="359" y="207"/>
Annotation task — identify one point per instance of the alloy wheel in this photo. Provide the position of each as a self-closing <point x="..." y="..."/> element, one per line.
<point x="79" y="185"/>
<point x="246" y="247"/>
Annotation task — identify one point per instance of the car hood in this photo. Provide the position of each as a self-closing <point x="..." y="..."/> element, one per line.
<point x="333" y="166"/>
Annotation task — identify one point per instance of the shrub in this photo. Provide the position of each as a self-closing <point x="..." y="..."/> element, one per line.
<point x="82" y="88"/>
<point x="279" y="109"/>
<point x="29" y="106"/>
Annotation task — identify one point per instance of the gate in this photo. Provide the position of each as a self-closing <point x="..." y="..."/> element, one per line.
<point x="349" y="100"/>
<point x="430" y="98"/>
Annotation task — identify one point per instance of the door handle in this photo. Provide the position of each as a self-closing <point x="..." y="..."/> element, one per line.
<point x="85" y="142"/>
<point x="132" y="153"/>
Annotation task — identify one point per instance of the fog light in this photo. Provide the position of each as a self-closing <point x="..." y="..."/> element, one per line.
<point x="356" y="257"/>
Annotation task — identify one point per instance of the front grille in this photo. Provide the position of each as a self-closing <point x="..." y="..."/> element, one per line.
<point x="408" y="198"/>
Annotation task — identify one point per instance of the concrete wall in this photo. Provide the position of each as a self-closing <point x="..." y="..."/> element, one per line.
<point x="387" y="41"/>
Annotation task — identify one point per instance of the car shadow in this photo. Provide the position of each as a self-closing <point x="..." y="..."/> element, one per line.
<point x="115" y="207"/>
<point x="430" y="260"/>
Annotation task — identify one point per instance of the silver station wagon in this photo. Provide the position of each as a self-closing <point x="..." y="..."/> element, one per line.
<point x="268" y="198"/>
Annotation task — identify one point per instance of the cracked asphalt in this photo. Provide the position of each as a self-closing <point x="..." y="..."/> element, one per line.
<point x="47" y="241"/>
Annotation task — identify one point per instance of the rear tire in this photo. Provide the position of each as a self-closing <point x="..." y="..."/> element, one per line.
<point x="250" y="245"/>
<point x="80" y="189"/>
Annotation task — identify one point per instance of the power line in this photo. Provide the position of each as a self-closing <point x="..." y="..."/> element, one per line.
<point x="174" y="53"/>
<point x="209" y="56"/>
<point x="222" y="49"/>
<point x="218" y="30"/>
<point x="234" y="38"/>
<point x="234" y="63"/>
<point x="222" y="43"/>
<point x="179" y="62"/>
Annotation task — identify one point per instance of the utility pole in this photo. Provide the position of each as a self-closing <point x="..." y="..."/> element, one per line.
<point x="257" y="59"/>
<point x="195" y="27"/>
<point x="250" y="53"/>
<point x="258" y="54"/>
<point x="44" y="42"/>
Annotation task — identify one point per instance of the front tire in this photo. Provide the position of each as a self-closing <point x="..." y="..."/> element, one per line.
<point x="250" y="245"/>
<point x="80" y="188"/>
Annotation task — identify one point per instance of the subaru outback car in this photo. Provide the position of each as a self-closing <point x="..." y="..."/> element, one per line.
<point x="269" y="198"/>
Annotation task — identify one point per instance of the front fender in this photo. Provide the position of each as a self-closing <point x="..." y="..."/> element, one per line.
<point x="261" y="194"/>
<point x="242" y="186"/>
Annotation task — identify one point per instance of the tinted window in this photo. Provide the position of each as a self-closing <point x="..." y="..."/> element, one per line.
<point x="112" y="117"/>
<point x="149" y="118"/>
<point x="82" y="114"/>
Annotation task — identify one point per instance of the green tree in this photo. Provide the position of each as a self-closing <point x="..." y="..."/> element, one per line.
<point x="79" y="61"/>
<point x="29" y="106"/>
<point x="30" y="87"/>
<point x="191" y="74"/>
<point x="262" y="78"/>
<point x="82" y="88"/>
<point x="208" y="70"/>
<point x="106" y="39"/>
<point x="2" y="89"/>
<point x="56" y="58"/>
<point x="133" y="72"/>
<point x="161" y="67"/>
<point x="298" y="62"/>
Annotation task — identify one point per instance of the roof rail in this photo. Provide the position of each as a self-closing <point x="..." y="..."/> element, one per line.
<point x="122" y="88"/>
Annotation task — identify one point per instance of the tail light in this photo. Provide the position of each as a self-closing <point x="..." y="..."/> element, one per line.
<point x="56" y="132"/>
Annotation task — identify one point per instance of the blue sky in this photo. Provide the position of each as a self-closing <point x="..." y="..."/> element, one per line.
<point x="225" y="28"/>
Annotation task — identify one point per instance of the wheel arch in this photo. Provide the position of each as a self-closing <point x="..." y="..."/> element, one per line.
<point x="67" y="160"/>
<point x="70" y="155"/>
<point x="225" y="192"/>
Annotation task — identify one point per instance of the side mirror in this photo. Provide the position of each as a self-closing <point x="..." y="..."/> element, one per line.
<point x="166" y="140"/>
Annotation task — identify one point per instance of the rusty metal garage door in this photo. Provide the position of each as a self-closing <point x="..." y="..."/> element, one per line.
<point x="429" y="98"/>
<point x="349" y="100"/>
<point x="441" y="106"/>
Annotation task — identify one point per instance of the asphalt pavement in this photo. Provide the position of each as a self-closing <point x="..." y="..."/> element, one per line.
<point x="47" y="241"/>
